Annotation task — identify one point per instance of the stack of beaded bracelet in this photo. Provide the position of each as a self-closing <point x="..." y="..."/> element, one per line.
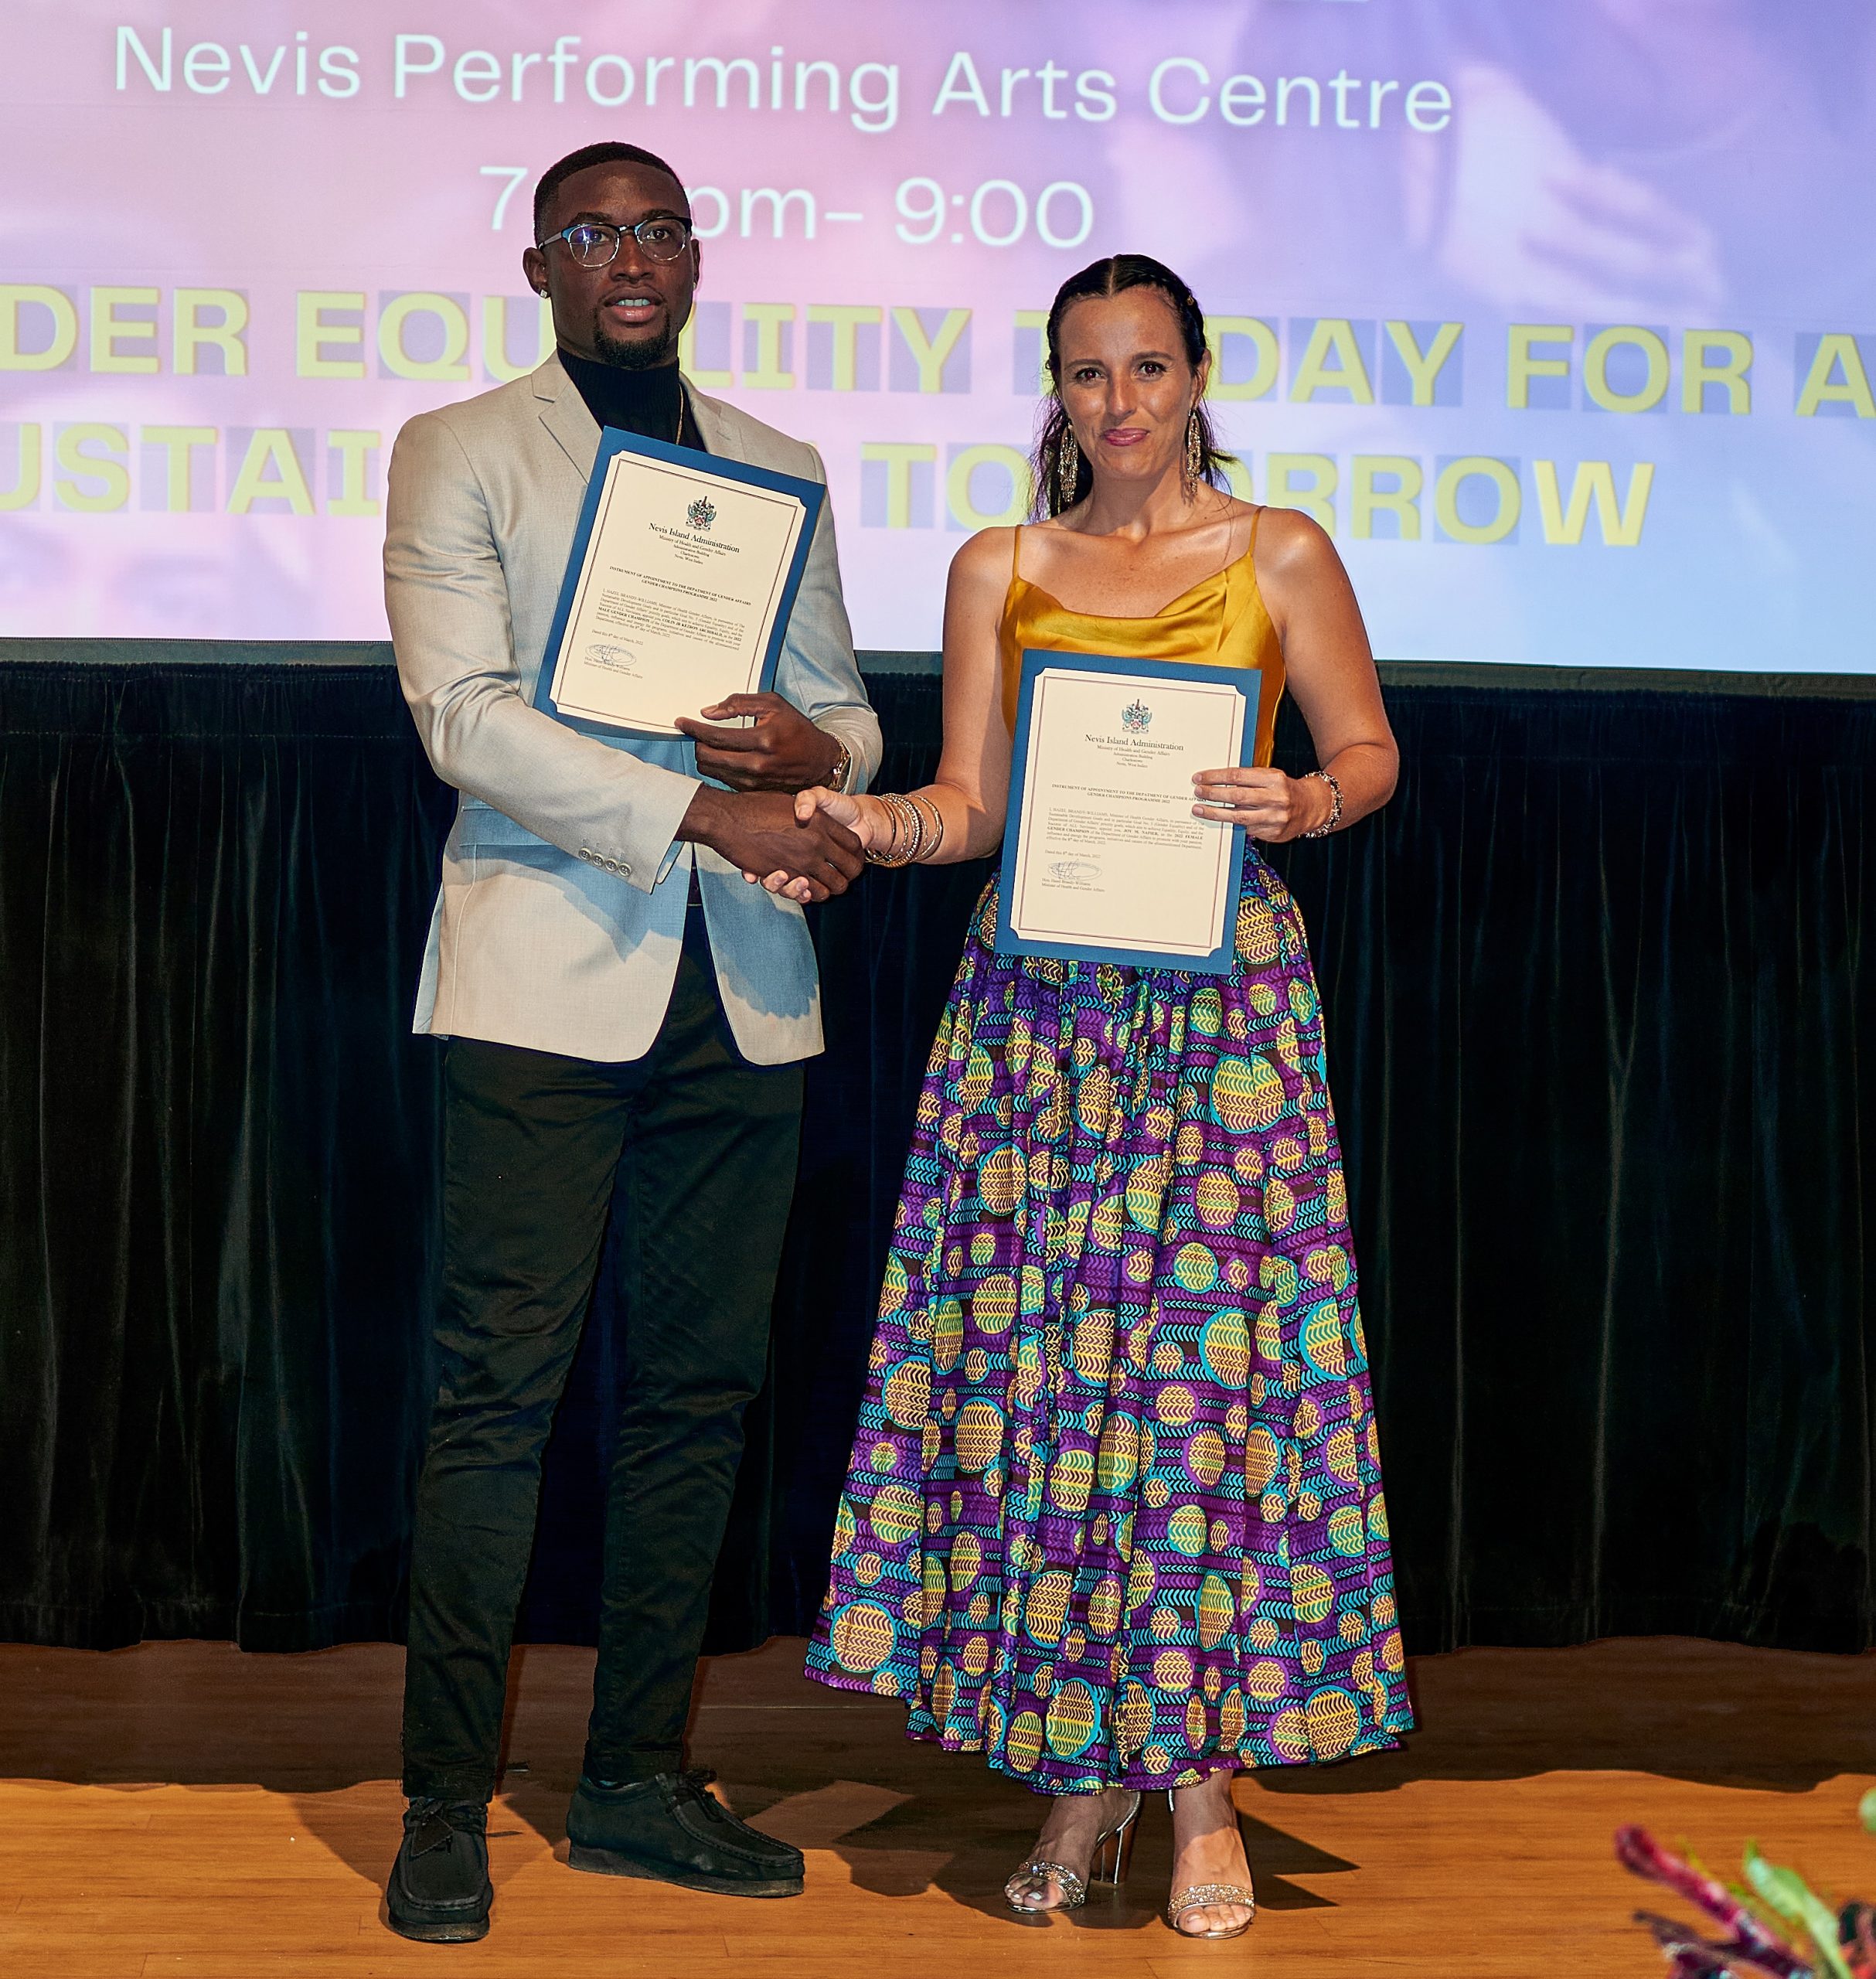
<point x="918" y="830"/>
<point x="1335" y="816"/>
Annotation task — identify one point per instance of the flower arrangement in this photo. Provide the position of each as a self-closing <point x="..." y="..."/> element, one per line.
<point x="1775" y="1928"/>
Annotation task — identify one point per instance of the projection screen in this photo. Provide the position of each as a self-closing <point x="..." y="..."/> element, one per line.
<point x="1560" y="318"/>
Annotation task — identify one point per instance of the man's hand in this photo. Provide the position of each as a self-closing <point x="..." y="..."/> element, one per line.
<point x="759" y="832"/>
<point x="780" y="750"/>
<point x="865" y="817"/>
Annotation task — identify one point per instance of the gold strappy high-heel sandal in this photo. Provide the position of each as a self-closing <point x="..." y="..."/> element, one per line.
<point x="1202" y="1897"/>
<point x="1112" y="1858"/>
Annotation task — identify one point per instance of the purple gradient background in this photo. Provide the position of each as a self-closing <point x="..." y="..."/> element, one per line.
<point x="1676" y="164"/>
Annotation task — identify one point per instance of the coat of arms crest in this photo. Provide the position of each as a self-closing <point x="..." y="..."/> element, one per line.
<point x="1136" y="717"/>
<point x="702" y="513"/>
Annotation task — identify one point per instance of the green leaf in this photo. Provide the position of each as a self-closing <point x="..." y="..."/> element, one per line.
<point x="1788" y="1893"/>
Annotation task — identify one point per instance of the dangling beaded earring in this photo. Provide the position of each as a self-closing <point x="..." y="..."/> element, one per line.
<point x="1195" y="451"/>
<point x="1067" y="471"/>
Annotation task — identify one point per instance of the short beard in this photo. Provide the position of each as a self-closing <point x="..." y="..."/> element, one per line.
<point x="624" y="357"/>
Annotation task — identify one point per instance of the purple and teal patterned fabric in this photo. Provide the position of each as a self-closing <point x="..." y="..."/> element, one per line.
<point x="1115" y="1509"/>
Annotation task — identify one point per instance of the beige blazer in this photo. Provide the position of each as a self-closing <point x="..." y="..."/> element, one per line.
<point x="561" y="912"/>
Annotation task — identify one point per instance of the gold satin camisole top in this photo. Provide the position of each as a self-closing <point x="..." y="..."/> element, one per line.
<point x="1221" y="621"/>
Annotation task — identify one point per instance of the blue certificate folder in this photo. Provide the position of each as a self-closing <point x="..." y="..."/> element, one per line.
<point x="1036" y="663"/>
<point x="705" y="467"/>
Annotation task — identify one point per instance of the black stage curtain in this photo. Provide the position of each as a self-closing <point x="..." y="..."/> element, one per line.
<point x="1602" y="1033"/>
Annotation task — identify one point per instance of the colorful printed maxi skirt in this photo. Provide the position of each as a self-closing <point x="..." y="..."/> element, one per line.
<point x="1115" y="1511"/>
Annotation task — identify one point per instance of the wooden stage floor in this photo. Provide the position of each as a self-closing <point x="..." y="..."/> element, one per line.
<point x="180" y="1808"/>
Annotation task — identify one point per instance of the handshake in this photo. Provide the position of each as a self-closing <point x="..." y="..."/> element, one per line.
<point x="808" y="859"/>
<point x="754" y="823"/>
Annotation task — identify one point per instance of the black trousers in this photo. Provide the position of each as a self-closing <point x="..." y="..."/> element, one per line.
<point x="695" y="1149"/>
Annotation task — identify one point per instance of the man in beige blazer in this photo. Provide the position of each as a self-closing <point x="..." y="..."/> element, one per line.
<point x="626" y="1018"/>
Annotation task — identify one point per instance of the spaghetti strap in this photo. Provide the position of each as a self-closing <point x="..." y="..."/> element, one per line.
<point x="1231" y="563"/>
<point x="1229" y="572"/>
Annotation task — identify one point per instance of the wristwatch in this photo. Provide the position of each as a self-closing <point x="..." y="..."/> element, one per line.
<point x="836" y="778"/>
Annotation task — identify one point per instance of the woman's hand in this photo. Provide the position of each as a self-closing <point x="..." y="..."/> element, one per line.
<point x="865" y="817"/>
<point x="1270" y="806"/>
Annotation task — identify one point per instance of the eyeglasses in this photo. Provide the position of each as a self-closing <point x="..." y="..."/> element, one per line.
<point x="594" y="243"/>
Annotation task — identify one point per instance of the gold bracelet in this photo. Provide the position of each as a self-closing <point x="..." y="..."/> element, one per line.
<point x="923" y="804"/>
<point x="907" y="827"/>
<point x="874" y="856"/>
<point x="918" y="829"/>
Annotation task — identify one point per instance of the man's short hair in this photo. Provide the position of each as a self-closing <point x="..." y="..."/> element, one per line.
<point x="555" y="176"/>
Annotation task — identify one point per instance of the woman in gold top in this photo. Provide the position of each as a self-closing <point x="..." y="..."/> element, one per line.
<point x="1114" y="1518"/>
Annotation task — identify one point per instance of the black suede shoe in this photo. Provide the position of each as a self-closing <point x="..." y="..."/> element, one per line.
<point x="439" y="1888"/>
<point x="668" y="1830"/>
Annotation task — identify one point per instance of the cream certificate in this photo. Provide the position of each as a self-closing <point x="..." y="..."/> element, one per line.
<point x="676" y="601"/>
<point x="1106" y="853"/>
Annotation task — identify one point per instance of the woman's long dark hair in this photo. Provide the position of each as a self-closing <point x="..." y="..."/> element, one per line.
<point x="1112" y="276"/>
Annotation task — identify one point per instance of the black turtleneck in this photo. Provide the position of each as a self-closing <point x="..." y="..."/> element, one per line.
<point x="642" y="402"/>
